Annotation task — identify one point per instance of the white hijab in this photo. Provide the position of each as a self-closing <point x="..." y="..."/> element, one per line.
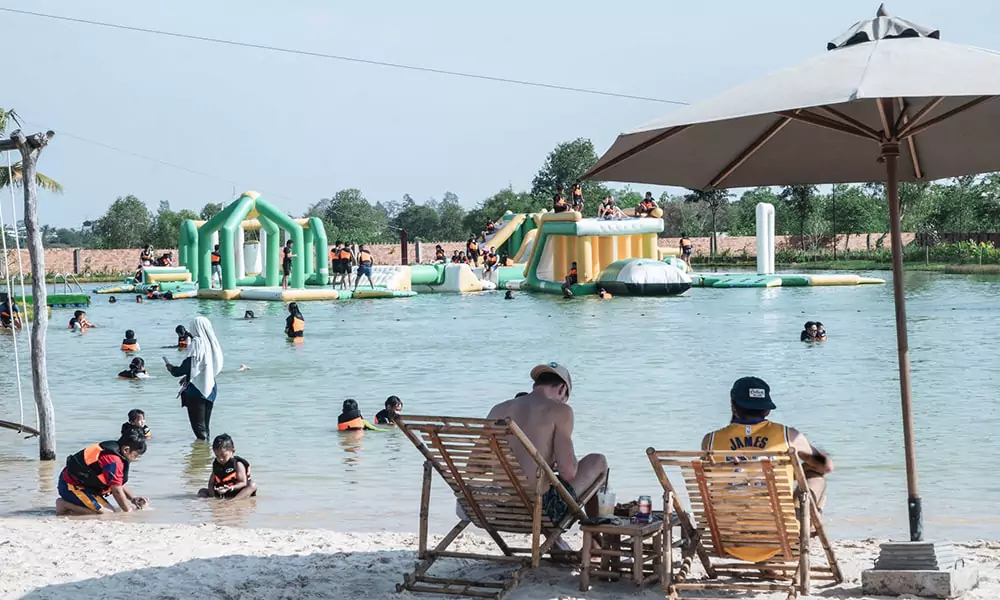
<point x="205" y="354"/>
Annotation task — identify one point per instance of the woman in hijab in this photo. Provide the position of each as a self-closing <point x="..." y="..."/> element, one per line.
<point x="295" y="323"/>
<point x="198" y="371"/>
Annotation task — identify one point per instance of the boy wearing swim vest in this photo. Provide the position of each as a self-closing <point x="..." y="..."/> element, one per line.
<point x="137" y="422"/>
<point x="130" y="344"/>
<point x="350" y="418"/>
<point x="230" y="476"/>
<point x="365" y="262"/>
<point x="393" y="408"/>
<point x="94" y="473"/>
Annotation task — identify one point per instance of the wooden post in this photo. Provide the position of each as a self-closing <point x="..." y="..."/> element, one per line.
<point x="425" y="500"/>
<point x="30" y="148"/>
<point x="536" y="518"/>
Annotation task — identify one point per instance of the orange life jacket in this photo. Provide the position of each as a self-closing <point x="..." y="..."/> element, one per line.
<point x="646" y="203"/>
<point x="577" y="193"/>
<point x="508" y="262"/>
<point x="130" y="347"/>
<point x="334" y="254"/>
<point x="492" y="259"/>
<point x="345" y="254"/>
<point x="357" y="423"/>
<point x="216" y="258"/>
<point x="560" y="201"/>
<point x="84" y="468"/>
<point x="298" y="325"/>
<point x="471" y="246"/>
<point x="222" y="476"/>
<point x="439" y="255"/>
<point x="685" y="242"/>
<point x="572" y="272"/>
<point x="365" y="257"/>
<point x="182" y="341"/>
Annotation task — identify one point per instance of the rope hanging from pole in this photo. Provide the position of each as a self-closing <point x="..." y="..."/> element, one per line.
<point x="20" y="275"/>
<point x="10" y="289"/>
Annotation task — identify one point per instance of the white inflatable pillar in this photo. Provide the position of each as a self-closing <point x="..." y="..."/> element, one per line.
<point x="238" y="241"/>
<point x="765" y="239"/>
<point x="261" y="261"/>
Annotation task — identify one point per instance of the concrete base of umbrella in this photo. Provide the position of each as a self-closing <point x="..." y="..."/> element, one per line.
<point x="922" y="569"/>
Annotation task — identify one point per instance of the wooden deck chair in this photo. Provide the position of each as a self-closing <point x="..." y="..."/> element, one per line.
<point x="749" y="523"/>
<point x="475" y="459"/>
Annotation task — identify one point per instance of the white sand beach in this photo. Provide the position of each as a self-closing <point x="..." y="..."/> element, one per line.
<point x="64" y="558"/>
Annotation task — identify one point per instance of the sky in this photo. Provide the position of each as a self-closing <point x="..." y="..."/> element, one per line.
<point x="298" y="128"/>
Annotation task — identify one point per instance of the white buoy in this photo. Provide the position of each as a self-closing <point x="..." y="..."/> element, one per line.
<point x="765" y="239"/>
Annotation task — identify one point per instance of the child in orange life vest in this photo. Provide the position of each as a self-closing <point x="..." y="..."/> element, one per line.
<point x="295" y="323"/>
<point x="350" y="418"/>
<point x="136" y="421"/>
<point x="130" y="344"/>
<point x="183" y="337"/>
<point x="230" y="476"/>
<point x="136" y="370"/>
<point x="571" y="278"/>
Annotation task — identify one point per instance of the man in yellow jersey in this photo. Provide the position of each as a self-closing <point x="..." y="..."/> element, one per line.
<point x="750" y="399"/>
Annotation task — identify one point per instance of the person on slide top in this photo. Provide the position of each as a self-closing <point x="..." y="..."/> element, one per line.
<point x="230" y="478"/>
<point x="99" y="471"/>
<point x="350" y="418"/>
<point x="295" y="323"/>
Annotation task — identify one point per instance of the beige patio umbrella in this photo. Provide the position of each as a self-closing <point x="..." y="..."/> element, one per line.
<point x="888" y="102"/>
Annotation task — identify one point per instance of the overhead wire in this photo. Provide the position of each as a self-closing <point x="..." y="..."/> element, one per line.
<point x="341" y="57"/>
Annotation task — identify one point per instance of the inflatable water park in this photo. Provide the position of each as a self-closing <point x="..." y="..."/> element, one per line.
<point x="620" y="256"/>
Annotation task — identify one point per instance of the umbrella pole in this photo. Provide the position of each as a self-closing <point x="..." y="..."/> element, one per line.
<point x="890" y="154"/>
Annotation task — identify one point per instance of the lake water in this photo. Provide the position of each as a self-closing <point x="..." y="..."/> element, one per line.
<point x="647" y="372"/>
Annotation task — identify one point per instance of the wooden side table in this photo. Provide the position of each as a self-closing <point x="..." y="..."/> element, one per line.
<point x="646" y="545"/>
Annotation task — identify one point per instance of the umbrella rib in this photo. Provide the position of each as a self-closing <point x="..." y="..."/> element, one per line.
<point x="902" y="121"/>
<point x="750" y="150"/>
<point x="852" y="121"/>
<point x="918" y="116"/>
<point x="639" y="148"/>
<point x="915" y="129"/>
<point x="821" y="121"/>
<point x="883" y="114"/>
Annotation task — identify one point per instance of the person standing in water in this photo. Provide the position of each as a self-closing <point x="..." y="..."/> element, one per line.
<point x="198" y="372"/>
<point x="286" y="264"/>
<point x="295" y="323"/>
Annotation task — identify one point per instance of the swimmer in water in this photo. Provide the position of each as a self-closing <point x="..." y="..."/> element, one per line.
<point x="130" y="344"/>
<point x="244" y="368"/>
<point x="230" y="478"/>
<point x="393" y="408"/>
<point x="183" y="337"/>
<point x="10" y="317"/>
<point x="295" y="323"/>
<point x="138" y="299"/>
<point x="136" y="421"/>
<point x="350" y="418"/>
<point x="820" y="332"/>
<point x="808" y="333"/>
<point x="136" y="370"/>
<point x="509" y="295"/>
<point x="79" y="322"/>
<point x="248" y="315"/>
<point x="112" y="300"/>
<point x="603" y="294"/>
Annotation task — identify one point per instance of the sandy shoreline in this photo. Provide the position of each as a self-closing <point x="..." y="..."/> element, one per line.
<point x="62" y="558"/>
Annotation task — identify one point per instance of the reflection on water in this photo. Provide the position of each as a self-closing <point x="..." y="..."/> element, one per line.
<point x="646" y="372"/>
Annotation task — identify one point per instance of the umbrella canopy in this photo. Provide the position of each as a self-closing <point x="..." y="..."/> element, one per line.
<point x="821" y="121"/>
<point x="889" y="101"/>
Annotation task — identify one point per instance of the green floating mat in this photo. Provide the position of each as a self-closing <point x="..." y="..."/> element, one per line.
<point x="363" y="294"/>
<point x="746" y="281"/>
<point x="60" y="300"/>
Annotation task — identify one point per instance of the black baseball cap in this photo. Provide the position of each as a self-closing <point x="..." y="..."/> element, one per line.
<point x="752" y="393"/>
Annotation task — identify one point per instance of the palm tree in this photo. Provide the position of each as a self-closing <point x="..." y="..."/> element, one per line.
<point x="14" y="174"/>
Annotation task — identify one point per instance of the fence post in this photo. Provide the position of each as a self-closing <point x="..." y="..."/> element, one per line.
<point x="76" y="261"/>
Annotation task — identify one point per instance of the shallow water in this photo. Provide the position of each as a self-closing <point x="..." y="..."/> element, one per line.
<point x="647" y="372"/>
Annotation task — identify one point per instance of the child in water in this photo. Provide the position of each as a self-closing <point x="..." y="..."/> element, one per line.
<point x="130" y="344"/>
<point x="295" y="324"/>
<point x="136" y="370"/>
<point x="138" y="299"/>
<point x="248" y="315"/>
<point x="350" y="418"/>
<point x="820" y="332"/>
<point x="79" y="322"/>
<point x="136" y="421"/>
<point x="393" y="408"/>
<point x="230" y="476"/>
<point x="808" y="332"/>
<point x="183" y="337"/>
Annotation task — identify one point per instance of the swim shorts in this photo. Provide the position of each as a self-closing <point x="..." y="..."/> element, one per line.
<point x="687" y="251"/>
<point x="554" y="506"/>
<point x="81" y="497"/>
<point x="338" y="267"/>
<point x="286" y="270"/>
<point x="364" y="270"/>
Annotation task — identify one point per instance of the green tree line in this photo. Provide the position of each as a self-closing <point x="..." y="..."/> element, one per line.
<point x="966" y="205"/>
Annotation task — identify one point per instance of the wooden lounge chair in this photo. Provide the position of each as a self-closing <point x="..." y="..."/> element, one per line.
<point x="475" y="459"/>
<point x="749" y="524"/>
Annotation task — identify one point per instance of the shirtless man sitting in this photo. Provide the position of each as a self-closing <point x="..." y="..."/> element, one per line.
<point x="545" y="416"/>
<point x="750" y="402"/>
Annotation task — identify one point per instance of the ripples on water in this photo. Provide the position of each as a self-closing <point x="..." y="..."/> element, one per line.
<point x="646" y="372"/>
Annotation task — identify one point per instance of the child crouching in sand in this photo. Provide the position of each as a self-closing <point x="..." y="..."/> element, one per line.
<point x="230" y="473"/>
